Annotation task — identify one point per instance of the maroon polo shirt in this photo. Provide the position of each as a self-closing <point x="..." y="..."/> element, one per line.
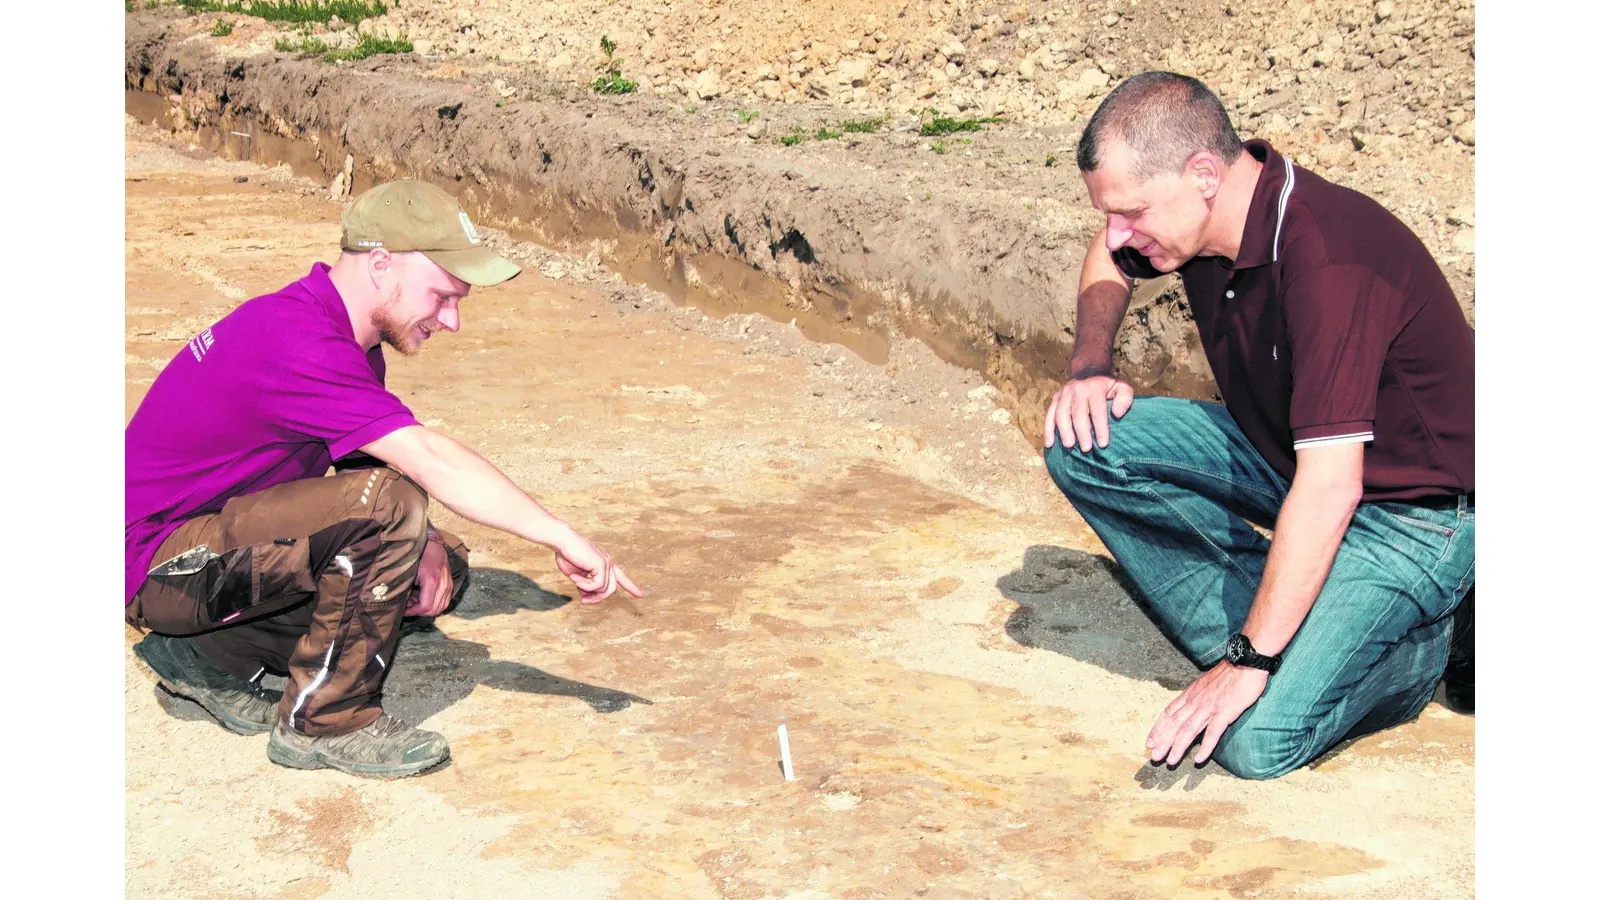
<point x="1335" y="325"/>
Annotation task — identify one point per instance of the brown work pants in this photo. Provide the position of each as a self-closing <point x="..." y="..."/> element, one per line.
<point x="310" y="579"/>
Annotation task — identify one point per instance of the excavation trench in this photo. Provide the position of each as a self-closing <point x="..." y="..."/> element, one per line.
<point x="724" y="231"/>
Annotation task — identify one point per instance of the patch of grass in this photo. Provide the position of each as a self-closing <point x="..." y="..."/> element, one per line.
<point x="308" y="46"/>
<point x="829" y="131"/>
<point x="939" y="148"/>
<point x="863" y="126"/>
<point x="747" y="116"/>
<point x="691" y="109"/>
<point x="942" y="125"/>
<point x="610" y="80"/>
<point x="614" y="84"/>
<point x="369" y="46"/>
<point x="221" y="28"/>
<point x="796" y="135"/>
<point x="1049" y="160"/>
<point x="351" y="11"/>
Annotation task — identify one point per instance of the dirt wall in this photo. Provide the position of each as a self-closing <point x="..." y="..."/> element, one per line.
<point x="973" y="248"/>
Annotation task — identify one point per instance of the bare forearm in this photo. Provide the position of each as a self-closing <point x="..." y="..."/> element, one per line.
<point x="472" y="487"/>
<point x="1100" y="312"/>
<point x="1310" y="528"/>
<point x="1103" y="295"/>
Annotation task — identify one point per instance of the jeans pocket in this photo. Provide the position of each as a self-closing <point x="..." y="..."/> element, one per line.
<point x="1435" y="527"/>
<point x="1442" y="522"/>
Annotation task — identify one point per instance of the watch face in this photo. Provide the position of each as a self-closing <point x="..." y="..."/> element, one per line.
<point x="1235" y="651"/>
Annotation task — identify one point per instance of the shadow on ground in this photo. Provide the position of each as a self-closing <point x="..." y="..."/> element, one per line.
<point x="1080" y="605"/>
<point x="433" y="671"/>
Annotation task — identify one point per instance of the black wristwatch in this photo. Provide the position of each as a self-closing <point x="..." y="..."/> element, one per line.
<point x="1240" y="653"/>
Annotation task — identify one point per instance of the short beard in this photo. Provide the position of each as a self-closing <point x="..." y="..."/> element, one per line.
<point x="391" y="331"/>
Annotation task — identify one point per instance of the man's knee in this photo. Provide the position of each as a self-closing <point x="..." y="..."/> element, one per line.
<point x="1259" y="754"/>
<point x="400" y="503"/>
<point x="1078" y="474"/>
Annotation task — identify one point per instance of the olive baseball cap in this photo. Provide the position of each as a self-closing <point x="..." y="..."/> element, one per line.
<point x="402" y="216"/>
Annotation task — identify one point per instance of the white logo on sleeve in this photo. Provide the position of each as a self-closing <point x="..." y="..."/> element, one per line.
<point x="466" y="225"/>
<point x="200" y="344"/>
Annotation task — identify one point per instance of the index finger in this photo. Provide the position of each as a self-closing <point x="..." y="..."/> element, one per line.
<point x="627" y="583"/>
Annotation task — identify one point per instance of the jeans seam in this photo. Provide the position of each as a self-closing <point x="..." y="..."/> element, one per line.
<point x="1366" y="638"/>
<point x="1461" y="586"/>
<point x="1227" y="559"/>
<point x="1449" y="544"/>
<point x="1168" y="464"/>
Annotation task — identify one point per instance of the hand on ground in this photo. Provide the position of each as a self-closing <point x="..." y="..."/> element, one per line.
<point x="1212" y="703"/>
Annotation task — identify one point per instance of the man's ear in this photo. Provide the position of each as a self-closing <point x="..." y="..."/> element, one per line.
<point x="380" y="265"/>
<point x="1206" y="170"/>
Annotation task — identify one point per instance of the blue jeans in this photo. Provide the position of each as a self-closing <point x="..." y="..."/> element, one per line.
<point x="1172" y="497"/>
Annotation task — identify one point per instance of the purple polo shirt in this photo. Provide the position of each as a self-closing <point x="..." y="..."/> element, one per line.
<point x="272" y="393"/>
<point x="1335" y="325"/>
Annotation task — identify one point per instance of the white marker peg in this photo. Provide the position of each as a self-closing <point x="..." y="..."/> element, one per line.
<point x="783" y="748"/>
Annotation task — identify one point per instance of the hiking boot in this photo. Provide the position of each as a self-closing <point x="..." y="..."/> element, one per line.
<point x="388" y="748"/>
<point x="242" y="707"/>
<point x="1458" y="668"/>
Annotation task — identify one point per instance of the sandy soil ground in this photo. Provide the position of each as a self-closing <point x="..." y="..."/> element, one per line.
<point x="871" y="555"/>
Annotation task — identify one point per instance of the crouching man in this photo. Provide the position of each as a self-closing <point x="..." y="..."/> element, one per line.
<point x="1346" y="370"/>
<point x="244" y="556"/>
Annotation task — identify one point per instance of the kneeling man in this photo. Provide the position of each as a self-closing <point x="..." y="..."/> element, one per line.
<point x="1346" y="370"/>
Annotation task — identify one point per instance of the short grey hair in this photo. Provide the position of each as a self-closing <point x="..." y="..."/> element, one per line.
<point x="1164" y="118"/>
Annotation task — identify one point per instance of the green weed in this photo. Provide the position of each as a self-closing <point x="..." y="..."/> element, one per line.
<point x="610" y="80"/>
<point x="308" y="46"/>
<point x="863" y="126"/>
<point x="351" y="11"/>
<point x="942" y="125"/>
<point x="369" y="46"/>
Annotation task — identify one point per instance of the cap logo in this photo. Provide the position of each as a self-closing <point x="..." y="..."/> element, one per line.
<point x="466" y="225"/>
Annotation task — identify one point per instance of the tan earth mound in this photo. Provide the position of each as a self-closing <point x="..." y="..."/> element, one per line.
<point x="1379" y="94"/>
